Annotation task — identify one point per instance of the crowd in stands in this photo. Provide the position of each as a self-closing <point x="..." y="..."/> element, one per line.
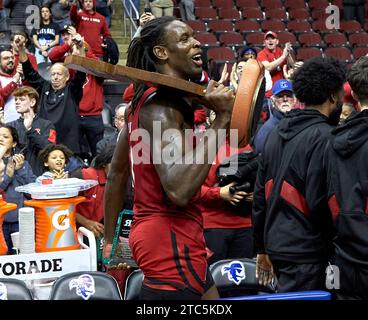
<point x="51" y="122"/>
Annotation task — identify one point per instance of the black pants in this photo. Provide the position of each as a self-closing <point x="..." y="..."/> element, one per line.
<point x="299" y="277"/>
<point x="92" y="128"/>
<point x="229" y="243"/>
<point x="353" y="280"/>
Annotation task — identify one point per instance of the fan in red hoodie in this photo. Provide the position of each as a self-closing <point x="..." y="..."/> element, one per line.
<point x="91" y="25"/>
<point x="91" y="105"/>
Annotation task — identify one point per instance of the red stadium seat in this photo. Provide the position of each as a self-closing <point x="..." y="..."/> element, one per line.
<point x="335" y="39"/>
<point x="223" y="4"/>
<point x="277" y="13"/>
<point x="294" y="4"/>
<point x="203" y="3"/>
<point x="205" y="14"/>
<point x="339" y="53"/>
<point x="299" y="14"/>
<point x="317" y="4"/>
<point x="307" y="53"/>
<point x="229" y="14"/>
<point x="252" y="13"/>
<point x="350" y="26"/>
<point x="196" y="25"/>
<point x="220" y="26"/>
<point x="310" y="39"/>
<point x="272" y="25"/>
<point x="320" y="27"/>
<point x="245" y="26"/>
<point x="319" y="14"/>
<point x="359" y="52"/>
<point x="231" y="39"/>
<point x="255" y="39"/>
<point x="271" y="4"/>
<point x="246" y="4"/>
<point x="298" y="26"/>
<point x="358" y="39"/>
<point x="207" y="39"/>
<point x="221" y="54"/>
<point x="286" y="36"/>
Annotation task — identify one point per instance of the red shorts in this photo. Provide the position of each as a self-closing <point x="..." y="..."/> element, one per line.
<point x="171" y="252"/>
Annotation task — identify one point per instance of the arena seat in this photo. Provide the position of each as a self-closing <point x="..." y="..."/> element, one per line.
<point x="358" y="39"/>
<point x="360" y="52"/>
<point x="221" y="54"/>
<point x="231" y="39"/>
<point x="197" y="25"/>
<point x="246" y="26"/>
<point x="203" y="3"/>
<point x="310" y="39"/>
<point x="237" y="277"/>
<point x="253" y="13"/>
<point x="133" y="285"/>
<point x="223" y="4"/>
<point x="255" y="38"/>
<point x="14" y="289"/>
<point x="85" y="285"/>
<point x="219" y="26"/>
<point x="298" y="26"/>
<point x="276" y="14"/>
<point x="320" y="27"/>
<point x="307" y="53"/>
<point x="335" y="39"/>
<point x="271" y="4"/>
<point x="272" y="25"/>
<point x="229" y="14"/>
<point x="299" y="14"/>
<point x="350" y="26"/>
<point x="207" y="39"/>
<point x="339" y="53"/>
<point x="205" y="13"/>
<point x="293" y="4"/>
<point x="286" y="36"/>
<point x="241" y="4"/>
<point x="317" y="4"/>
<point x="319" y="14"/>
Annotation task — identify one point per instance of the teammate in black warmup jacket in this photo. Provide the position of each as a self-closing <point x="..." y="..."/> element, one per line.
<point x="346" y="160"/>
<point x="292" y="223"/>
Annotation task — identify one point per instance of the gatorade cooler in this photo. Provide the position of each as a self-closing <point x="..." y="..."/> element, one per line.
<point x="55" y="203"/>
<point x="4" y="208"/>
<point x="55" y="224"/>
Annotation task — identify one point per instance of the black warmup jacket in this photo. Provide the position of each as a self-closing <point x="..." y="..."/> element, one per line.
<point x="41" y="134"/>
<point x="347" y="167"/>
<point x="60" y="107"/>
<point x="291" y="218"/>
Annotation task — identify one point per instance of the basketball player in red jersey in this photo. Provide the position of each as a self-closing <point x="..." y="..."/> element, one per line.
<point x="167" y="233"/>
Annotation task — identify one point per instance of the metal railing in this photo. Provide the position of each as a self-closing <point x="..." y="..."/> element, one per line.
<point x="130" y="18"/>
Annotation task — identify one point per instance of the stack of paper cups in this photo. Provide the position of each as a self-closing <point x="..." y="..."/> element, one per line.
<point x="26" y="230"/>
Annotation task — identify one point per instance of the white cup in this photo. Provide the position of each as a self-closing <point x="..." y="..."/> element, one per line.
<point x="15" y="239"/>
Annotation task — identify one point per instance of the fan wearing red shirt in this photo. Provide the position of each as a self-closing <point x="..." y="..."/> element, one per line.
<point x="274" y="58"/>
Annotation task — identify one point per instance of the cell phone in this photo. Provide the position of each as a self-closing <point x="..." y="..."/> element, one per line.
<point x="147" y="10"/>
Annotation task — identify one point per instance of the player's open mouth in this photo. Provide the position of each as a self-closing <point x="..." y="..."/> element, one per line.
<point x="197" y="59"/>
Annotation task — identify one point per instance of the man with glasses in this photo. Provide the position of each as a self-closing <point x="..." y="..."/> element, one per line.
<point x="119" y="122"/>
<point x="282" y="100"/>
